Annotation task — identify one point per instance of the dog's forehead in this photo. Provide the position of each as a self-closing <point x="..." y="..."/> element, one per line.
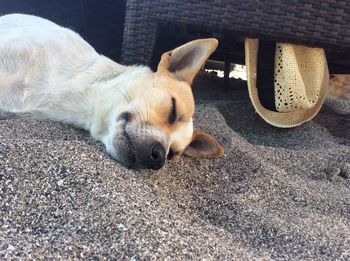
<point x="179" y="90"/>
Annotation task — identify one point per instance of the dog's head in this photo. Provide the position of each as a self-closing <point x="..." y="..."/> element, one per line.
<point x="156" y="122"/>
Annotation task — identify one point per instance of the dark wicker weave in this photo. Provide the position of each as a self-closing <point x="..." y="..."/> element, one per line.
<point x="322" y="23"/>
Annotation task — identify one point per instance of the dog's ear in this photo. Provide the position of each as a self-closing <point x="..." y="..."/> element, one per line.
<point x="185" y="61"/>
<point x="203" y="146"/>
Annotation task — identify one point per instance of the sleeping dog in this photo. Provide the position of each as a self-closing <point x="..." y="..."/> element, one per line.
<point x="143" y="117"/>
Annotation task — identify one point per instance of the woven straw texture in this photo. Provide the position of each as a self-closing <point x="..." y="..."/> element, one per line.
<point x="299" y="115"/>
<point x="323" y="23"/>
<point x="298" y="76"/>
<point x="296" y="116"/>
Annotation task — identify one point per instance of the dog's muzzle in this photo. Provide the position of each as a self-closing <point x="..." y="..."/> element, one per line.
<point x="137" y="153"/>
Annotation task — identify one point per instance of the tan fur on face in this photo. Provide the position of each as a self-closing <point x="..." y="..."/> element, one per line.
<point x="181" y="130"/>
<point x="154" y="104"/>
<point x="174" y="76"/>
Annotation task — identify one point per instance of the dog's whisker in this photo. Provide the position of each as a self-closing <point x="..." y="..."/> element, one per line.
<point x="135" y="106"/>
<point x="128" y="95"/>
<point x="147" y="110"/>
<point x="138" y="112"/>
<point x="123" y="94"/>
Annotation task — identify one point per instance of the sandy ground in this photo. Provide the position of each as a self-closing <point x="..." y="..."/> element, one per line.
<point x="277" y="194"/>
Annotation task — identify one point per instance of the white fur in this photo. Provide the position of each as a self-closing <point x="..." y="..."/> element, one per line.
<point x="55" y="73"/>
<point x="50" y="72"/>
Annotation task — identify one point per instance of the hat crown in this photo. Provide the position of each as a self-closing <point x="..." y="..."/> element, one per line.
<point x="297" y="85"/>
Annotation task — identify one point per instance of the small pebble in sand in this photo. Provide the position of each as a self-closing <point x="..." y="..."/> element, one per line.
<point x="11" y="248"/>
<point x="345" y="171"/>
<point x="332" y="173"/>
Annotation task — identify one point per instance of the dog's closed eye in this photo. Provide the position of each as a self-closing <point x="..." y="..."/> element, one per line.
<point x="172" y="115"/>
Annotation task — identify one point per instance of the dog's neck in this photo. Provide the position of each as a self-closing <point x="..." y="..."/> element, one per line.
<point x="88" y="99"/>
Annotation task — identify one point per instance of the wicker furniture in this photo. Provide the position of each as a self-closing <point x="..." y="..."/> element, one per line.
<point x="321" y="23"/>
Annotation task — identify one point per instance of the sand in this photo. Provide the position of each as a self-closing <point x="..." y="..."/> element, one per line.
<point x="276" y="194"/>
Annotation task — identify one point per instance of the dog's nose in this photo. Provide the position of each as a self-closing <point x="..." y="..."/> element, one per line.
<point x="156" y="157"/>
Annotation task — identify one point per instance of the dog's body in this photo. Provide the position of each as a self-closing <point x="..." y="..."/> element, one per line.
<point x="50" y="72"/>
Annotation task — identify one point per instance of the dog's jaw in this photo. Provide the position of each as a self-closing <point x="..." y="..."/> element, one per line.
<point x="119" y="138"/>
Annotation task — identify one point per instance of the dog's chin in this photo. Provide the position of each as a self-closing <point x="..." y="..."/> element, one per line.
<point x="123" y="148"/>
<point x="125" y="153"/>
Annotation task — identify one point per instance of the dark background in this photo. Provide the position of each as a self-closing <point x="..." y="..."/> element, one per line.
<point x="99" y="22"/>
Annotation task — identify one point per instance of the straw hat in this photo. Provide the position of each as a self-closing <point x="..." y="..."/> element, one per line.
<point x="287" y="83"/>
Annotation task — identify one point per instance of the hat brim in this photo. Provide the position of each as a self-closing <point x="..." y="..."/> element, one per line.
<point x="279" y="119"/>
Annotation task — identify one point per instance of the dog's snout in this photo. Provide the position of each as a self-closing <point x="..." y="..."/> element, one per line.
<point x="156" y="156"/>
